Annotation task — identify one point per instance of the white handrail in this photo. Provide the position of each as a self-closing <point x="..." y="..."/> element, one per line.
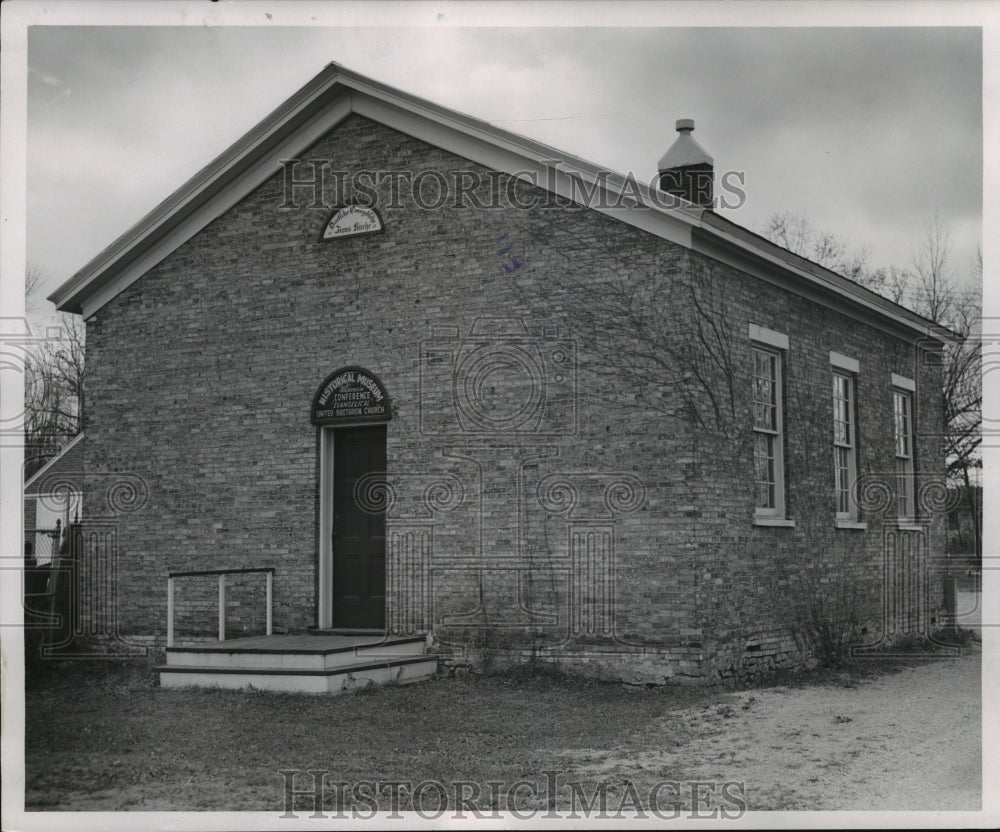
<point x="269" y="577"/>
<point x="170" y="612"/>
<point x="222" y="607"/>
<point x="171" y="579"/>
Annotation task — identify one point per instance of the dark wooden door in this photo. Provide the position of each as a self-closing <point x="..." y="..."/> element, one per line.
<point x="359" y="528"/>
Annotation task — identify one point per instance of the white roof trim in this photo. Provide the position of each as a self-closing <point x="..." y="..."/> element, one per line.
<point x="31" y="480"/>
<point x="209" y="210"/>
<point x="320" y="106"/>
<point x="880" y="306"/>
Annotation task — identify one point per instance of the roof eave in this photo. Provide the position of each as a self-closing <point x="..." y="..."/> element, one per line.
<point x="210" y="179"/>
<point x="50" y="463"/>
<point x="822" y="281"/>
<point x="334" y="83"/>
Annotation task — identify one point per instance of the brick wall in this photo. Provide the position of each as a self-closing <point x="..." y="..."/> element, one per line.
<point x="196" y="607"/>
<point x="612" y="529"/>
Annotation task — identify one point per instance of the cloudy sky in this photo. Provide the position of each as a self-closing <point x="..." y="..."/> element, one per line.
<point x="866" y="131"/>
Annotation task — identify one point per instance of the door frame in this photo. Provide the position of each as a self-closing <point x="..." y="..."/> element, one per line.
<point x="324" y="600"/>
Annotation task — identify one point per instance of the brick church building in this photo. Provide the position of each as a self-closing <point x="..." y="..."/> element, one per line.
<point x="434" y="379"/>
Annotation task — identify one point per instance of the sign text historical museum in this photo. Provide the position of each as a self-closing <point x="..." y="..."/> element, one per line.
<point x="350" y="395"/>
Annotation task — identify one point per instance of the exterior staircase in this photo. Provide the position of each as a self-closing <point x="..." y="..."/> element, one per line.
<point x="302" y="663"/>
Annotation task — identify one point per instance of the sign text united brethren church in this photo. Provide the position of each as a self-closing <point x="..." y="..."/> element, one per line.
<point x="350" y="395"/>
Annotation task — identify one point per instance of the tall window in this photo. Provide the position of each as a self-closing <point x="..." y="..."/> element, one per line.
<point x="845" y="464"/>
<point x="902" y="406"/>
<point x="767" y="432"/>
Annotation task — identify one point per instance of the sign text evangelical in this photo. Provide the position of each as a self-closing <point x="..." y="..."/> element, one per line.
<point x="351" y="395"/>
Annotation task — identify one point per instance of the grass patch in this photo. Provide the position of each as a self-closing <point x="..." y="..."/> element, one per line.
<point x="101" y="735"/>
<point x="960" y="636"/>
<point x="104" y="736"/>
<point x="942" y="642"/>
<point x="892" y="657"/>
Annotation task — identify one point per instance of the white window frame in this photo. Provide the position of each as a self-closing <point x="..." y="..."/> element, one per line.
<point x="850" y="368"/>
<point x="903" y="390"/>
<point x="845" y="450"/>
<point x="773" y="344"/>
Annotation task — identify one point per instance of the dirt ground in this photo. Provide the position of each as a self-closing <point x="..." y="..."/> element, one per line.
<point x="906" y="741"/>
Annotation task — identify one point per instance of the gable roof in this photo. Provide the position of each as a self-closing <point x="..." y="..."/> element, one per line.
<point x="337" y="92"/>
<point x="52" y="464"/>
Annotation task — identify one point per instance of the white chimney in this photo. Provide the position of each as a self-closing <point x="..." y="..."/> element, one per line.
<point x="686" y="170"/>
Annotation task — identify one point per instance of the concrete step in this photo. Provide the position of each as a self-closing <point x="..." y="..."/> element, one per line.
<point x="295" y="652"/>
<point x="361" y="674"/>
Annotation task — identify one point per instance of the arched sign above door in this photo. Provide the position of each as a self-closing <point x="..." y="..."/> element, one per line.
<point x="352" y="396"/>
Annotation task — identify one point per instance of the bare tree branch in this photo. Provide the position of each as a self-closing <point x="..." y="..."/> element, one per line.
<point x="54" y="383"/>
<point x="929" y="289"/>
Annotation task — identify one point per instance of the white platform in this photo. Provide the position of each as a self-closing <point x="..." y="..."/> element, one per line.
<point x="308" y="663"/>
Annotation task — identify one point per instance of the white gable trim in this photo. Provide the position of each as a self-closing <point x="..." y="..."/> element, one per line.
<point x="831" y="291"/>
<point x="336" y="93"/>
<point x="305" y="118"/>
<point x="482" y="147"/>
<point x="216" y="205"/>
<point x="38" y="474"/>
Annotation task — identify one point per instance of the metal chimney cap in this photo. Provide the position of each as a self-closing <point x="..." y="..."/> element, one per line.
<point x="685" y="124"/>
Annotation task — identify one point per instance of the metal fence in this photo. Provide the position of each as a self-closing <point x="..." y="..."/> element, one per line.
<point x="42" y="546"/>
<point x="48" y="558"/>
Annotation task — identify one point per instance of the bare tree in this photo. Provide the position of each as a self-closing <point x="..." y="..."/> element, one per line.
<point x="930" y="289"/>
<point x="934" y="293"/>
<point x="797" y="234"/>
<point x="33" y="277"/>
<point x="636" y="333"/>
<point x="932" y="282"/>
<point x="666" y="331"/>
<point x="54" y="383"/>
<point x="963" y="401"/>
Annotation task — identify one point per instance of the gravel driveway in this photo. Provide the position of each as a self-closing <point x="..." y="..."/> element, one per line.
<point x="904" y="741"/>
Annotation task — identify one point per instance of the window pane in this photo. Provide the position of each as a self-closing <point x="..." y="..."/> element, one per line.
<point x="764" y="469"/>
<point x="903" y="417"/>
<point x="904" y="488"/>
<point x="766" y="394"/>
<point x="844" y="459"/>
<point x="901" y="408"/>
<point x="765" y="391"/>
<point x="842" y="475"/>
<point x="842" y="410"/>
<point x="840" y="432"/>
